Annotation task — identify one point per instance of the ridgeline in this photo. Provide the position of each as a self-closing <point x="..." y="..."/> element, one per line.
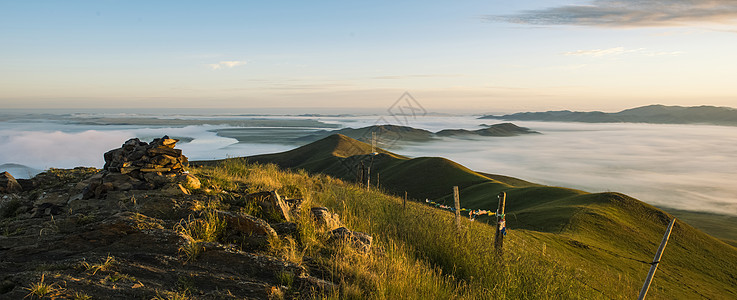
<point x="656" y="114"/>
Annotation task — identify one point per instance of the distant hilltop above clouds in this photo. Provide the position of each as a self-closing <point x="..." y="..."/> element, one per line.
<point x="655" y="114"/>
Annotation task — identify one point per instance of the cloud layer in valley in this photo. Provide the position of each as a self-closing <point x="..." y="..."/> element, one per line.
<point x="690" y="167"/>
<point x="69" y="146"/>
<point x="630" y="13"/>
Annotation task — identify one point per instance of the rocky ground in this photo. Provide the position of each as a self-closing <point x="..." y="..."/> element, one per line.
<point x="150" y="232"/>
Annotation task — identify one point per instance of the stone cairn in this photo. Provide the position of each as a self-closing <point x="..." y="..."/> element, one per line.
<point x="139" y="165"/>
<point x="137" y="158"/>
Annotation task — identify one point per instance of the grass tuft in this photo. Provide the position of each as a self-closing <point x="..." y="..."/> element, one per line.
<point x="104" y="265"/>
<point x="41" y="289"/>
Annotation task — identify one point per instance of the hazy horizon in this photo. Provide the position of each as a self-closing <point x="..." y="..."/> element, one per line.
<point x="485" y="56"/>
<point x="675" y="166"/>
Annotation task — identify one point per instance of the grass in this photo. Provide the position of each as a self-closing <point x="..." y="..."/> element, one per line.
<point x="42" y="289"/>
<point x="417" y="254"/>
<point x="608" y="234"/>
<point x="168" y="295"/>
<point x="208" y="228"/>
<point x="104" y="265"/>
<point x="191" y="250"/>
<point x="563" y="243"/>
<point x="81" y="296"/>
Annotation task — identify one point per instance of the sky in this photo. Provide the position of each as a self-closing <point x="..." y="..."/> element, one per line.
<point x="459" y="56"/>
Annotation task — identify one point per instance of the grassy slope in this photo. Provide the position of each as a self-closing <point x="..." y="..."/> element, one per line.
<point x="611" y="232"/>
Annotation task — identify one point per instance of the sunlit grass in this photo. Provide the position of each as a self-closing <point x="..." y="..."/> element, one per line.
<point x="104" y="265"/>
<point x="418" y="253"/>
<point x="42" y="289"/>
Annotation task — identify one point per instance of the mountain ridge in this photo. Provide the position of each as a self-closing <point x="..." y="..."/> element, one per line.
<point x="655" y="114"/>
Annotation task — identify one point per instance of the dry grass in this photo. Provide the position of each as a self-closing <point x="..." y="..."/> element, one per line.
<point x="417" y="253"/>
<point x="42" y="289"/>
<point x="105" y="265"/>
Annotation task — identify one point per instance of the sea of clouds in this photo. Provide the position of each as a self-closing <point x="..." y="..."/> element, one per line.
<point x="691" y="167"/>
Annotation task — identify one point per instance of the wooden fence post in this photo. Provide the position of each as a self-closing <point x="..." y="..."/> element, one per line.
<point x="368" y="177"/>
<point x="404" y="203"/>
<point x="656" y="261"/>
<point x="500" y="223"/>
<point x="457" y="199"/>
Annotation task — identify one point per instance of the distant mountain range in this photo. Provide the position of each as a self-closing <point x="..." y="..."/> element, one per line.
<point x="655" y="114"/>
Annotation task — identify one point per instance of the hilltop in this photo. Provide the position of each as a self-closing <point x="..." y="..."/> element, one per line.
<point x="388" y="134"/>
<point x="656" y="114"/>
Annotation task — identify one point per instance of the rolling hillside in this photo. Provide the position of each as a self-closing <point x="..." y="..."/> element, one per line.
<point x="614" y="234"/>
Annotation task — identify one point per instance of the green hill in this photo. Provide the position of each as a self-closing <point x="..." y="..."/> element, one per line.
<point x="501" y="129"/>
<point x="387" y="135"/>
<point x="610" y="233"/>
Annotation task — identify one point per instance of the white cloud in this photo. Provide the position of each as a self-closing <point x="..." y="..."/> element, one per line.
<point x="630" y="13"/>
<point x="603" y="52"/>
<point x="227" y="64"/>
<point x="621" y="51"/>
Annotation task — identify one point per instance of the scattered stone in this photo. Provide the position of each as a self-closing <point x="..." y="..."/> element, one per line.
<point x="26" y="184"/>
<point x="246" y="229"/>
<point x="285" y="228"/>
<point x="46" y="209"/>
<point x="295" y="206"/>
<point x="8" y="184"/>
<point x="271" y="203"/>
<point x="361" y="241"/>
<point x="325" y="219"/>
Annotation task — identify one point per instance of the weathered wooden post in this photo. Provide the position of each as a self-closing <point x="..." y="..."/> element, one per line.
<point x="500" y="223"/>
<point x="362" y="171"/>
<point x="656" y="261"/>
<point x="457" y="199"/>
<point x="404" y="202"/>
<point x="368" y="178"/>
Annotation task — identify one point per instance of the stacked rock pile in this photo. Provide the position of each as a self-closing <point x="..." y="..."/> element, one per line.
<point x="137" y="158"/>
<point x="139" y="165"/>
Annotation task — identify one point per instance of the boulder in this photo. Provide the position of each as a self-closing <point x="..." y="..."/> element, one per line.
<point x="271" y="203"/>
<point x="8" y="184"/>
<point x="325" y="219"/>
<point x="246" y="229"/>
<point x="360" y="240"/>
<point x="285" y="228"/>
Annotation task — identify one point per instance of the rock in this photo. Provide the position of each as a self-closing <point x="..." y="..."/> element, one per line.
<point x="271" y="202"/>
<point x="246" y="229"/>
<point x="8" y="184"/>
<point x="359" y="240"/>
<point x="121" y="182"/>
<point x="175" y="189"/>
<point x="295" y="206"/>
<point x="59" y="199"/>
<point x="189" y="181"/>
<point x="46" y="209"/>
<point x="285" y="228"/>
<point x="325" y="219"/>
<point x="26" y="184"/>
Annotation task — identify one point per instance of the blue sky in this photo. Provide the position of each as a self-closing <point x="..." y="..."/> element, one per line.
<point x="471" y="56"/>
